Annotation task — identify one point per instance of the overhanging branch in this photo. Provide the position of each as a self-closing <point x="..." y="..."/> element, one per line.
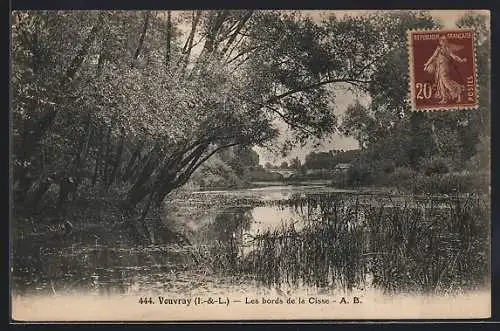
<point x="287" y="121"/>
<point x="351" y="81"/>
<point x="182" y="178"/>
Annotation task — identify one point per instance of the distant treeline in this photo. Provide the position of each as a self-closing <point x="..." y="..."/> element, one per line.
<point x="239" y="166"/>
<point x="318" y="160"/>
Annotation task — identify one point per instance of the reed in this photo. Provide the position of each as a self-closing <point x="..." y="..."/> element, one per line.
<point x="429" y="244"/>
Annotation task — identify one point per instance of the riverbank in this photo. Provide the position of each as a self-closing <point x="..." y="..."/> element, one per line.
<point x="272" y="236"/>
<point x="260" y="184"/>
<point x="401" y="182"/>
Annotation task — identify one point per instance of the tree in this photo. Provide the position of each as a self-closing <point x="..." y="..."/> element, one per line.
<point x="268" y="165"/>
<point x="359" y="123"/>
<point x="284" y="165"/>
<point x="475" y="127"/>
<point x="246" y="156"/>
<point x="239" y="158"/>
<point x="346" y="156"/>
<point x="389" y="132"/>
<point x="320" y="160"/>
<point x="295" y="163"/>
<point x="140" y="100"/>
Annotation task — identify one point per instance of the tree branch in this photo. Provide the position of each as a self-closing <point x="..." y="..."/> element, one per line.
<point x="214" y="30"/>
<point x="195" y="165"/>
<point x="77" y="61"/>
<point x="351" y="81"/>
<point x="287" y="121"/>
<point x="143" y="35"/>
<point x="211" y="42"/>
<point x="243" y="53"/>
<point x="188" y="46"/>
<point x="235" y="45"/>
<point x="240" y="26"/>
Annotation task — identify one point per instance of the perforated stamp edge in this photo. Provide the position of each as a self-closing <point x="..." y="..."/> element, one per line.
<point x="411" y="90"/>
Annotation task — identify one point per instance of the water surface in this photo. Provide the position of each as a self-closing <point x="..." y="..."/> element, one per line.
<point x="230" y="220"/>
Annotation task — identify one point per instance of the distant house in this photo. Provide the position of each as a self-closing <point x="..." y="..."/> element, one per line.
<point x="342" y="167"/>
<point x="339" y="176"/>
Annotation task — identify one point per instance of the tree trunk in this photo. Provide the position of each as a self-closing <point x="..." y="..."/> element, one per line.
<point x="77" y="61"/>
<point x="36" y="130"/>
<point x="32" y="135"/>
<point x="76" y="173"/>
<point x="148" y="205"/>
<point x="240" y="26"/>
<point x="169" y="38"/>
<point x="186" y="51"/>
<point x="106" y="158"/>
<point x="141" y="39"/>
<point x="210" y="45"/>
<point x="127" y="173"/>
<point x="116" y="163"/>
<point x="98" y="157"/>
<point x="137" y="195"/>
<point x="143" y="184"/>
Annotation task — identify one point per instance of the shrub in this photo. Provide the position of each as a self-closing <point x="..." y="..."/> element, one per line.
<point x="261" y="175"/>
<point x="388" y="168"/>
<point x="402" y="175"/>
<point x="436" y="166"/>
<point x="216" y="174"/>
<point x="452" y="183"/>
<point x="360" y="174"/>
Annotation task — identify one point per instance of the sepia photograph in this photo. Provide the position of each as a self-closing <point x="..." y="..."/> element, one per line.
<point x="214" y="165"/>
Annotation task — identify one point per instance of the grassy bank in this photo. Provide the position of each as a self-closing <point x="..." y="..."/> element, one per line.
<point x="408" y="181"/>
<point x="425" y="245"/>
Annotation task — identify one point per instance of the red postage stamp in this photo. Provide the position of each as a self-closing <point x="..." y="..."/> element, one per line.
<point x="442" y="69"/>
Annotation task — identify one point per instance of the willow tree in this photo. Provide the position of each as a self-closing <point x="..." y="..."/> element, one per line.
<point x="137" y="101"/>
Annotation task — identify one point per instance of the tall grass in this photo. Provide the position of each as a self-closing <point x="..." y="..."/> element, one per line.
<point x="431" y="245"/>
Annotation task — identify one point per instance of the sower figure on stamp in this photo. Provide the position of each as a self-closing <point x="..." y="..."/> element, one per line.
<point x="439" y="64"/>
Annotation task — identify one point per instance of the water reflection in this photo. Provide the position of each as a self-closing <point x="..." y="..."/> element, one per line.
<point x="270" y="217"/>
<point x="231" y="223"/>
<point x="321" y="238"/>
<point x="98" y="269"/>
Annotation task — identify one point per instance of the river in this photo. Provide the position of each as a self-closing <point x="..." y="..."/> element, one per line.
<point x="227" y="221"/>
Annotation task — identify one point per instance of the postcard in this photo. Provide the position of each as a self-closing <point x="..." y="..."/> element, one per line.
<point x="214" y="165"/>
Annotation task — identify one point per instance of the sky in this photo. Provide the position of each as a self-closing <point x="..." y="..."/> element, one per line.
<point x="343" y="99"/>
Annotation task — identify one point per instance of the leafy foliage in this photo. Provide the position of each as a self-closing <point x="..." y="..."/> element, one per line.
<point x="391" y="135"/>
<point x="135" y="102"/>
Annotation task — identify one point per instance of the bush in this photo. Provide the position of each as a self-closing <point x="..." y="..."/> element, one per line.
<point x="452" y="183"/>
<point x="402" y="175"/>
<point x="436" y="166"/>
<point x="360" y="174"/>
<point x="216" y="174"/>
<point x="388" y="168"/>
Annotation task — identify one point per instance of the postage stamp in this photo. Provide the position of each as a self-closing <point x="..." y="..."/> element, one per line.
<point x="442" y="69"/>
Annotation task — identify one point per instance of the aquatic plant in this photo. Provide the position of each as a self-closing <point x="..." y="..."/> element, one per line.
<point x="434" y="244"/>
